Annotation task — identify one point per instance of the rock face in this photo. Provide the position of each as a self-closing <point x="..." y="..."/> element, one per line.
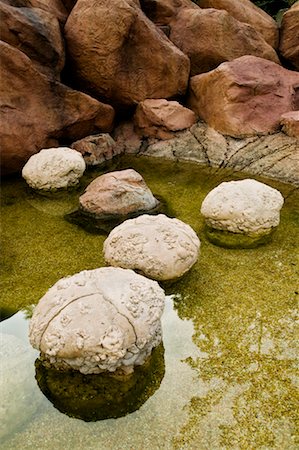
<point x="54" y="168"/>
<point x="247" y="12"/>
<point x="54" y="7"/>
<point x="163" y="12"/>
<point x="97" y="148"/>
<point x="290" y="124"/>
<point x="120" y="54"/>
<point x="117" y="193"/>
<point x="98" y="321"/>
<point x="159" y="118"/>
<point x="126" y="138"/>
<point x="159" y="247"/>
<point x="42" y="112"/>
<point x="245" y="207"/>
<point x="245" y="97"/>
<point x="289" y="36"/>
<point x="210" y="37"/>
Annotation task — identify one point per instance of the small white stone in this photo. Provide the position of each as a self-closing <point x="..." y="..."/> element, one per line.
<point x="54" y="168"/>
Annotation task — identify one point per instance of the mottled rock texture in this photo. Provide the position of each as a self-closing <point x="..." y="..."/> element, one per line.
<point x="97" y="148"/>
<point x="290" y="124"/>
<point x="98" y="321"/>
<point x="245" y="97"/>
<point x="126" y="138"/>
<point x="118" y="54"/>
<point x="160" y="118"/>
<point x="247" y="12"/>
<point x="117" y="194"/>
<point x="54" y="168"/>
<point x="289" y="36"/>
<point x="157" y="246"/>
<point x="209" y="37"/>
<point x="56" y="7"/>
<point x="36" y="111"/>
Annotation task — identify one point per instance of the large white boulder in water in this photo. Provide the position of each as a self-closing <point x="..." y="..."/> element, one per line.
<point x="244" y="207"/>
<point x="159" y="247"/>
<point x="98" y="320"/>
<point x="54" y="168"/>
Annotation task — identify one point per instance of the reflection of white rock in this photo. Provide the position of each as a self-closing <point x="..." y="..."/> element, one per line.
<point x="246" y="206"/>
<point x="160" y="247"/>
<point x="54" y="168"/>
<point x="99" y="320"/>
<point x="17" y="384"/>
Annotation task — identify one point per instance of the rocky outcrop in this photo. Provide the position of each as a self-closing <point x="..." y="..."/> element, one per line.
<point x="118" y="54"/>
<point x="97" y="148"/>
<point x="290" y="124"/>
<point x="210" y="37"/>
<point x="160" y="118"/>
<point x="54" y="168"/>
<point x="99" y="320"/>
<point x="117" y="194"/>
<point x="157" y="246"/>
<point x="289" y="36"/>
<point x="55" y="7"/>
<point x="245" y="97"/>
<point x="36" y="33"/>
<point x="247" y="12"/>
<point x="36" y="112"/>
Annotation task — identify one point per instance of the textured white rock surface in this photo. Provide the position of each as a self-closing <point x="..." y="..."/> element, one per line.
<point x="245" y="206"/>
<point x="160" y="247"/>
<point x="117" y="193"/>
<point x="98" y="320"/>
<point x="54" y="168"/>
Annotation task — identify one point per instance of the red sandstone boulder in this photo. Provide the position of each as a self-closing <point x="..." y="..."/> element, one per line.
<point x="55" y="7"/>
<point x="36" y="111"/>
<point x="245" y="97"/>
<point x="290" y="123"/>
<point x="289" y="36"/>
<point x="36" y="33"/>
<point x="247" y="12"/>
<point x="210" y="37"/>
<point x="163" y="12"/>
<point x="118" y="54"/>
<point x="160" y="118"/>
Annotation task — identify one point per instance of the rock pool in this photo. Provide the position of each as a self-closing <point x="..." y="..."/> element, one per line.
<point x="229" y="326"/>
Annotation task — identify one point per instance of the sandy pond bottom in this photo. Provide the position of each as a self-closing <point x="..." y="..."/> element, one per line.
<point x="229" y="327"/>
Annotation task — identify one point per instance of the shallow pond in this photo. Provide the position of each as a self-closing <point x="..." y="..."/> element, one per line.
<point x="226" y="378"/>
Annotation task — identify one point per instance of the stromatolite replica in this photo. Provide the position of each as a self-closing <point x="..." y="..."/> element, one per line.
<point x="241" y="213"/>
<point x="54" y="168"/>
<point x="159" y="247"/>
<point x="98" y="320"/>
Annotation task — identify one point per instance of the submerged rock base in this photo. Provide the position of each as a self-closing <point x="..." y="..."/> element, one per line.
<point x="227" y="239"/>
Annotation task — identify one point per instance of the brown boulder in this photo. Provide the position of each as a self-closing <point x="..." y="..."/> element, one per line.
<point x="160" y="118"/>
<point x="289" y="36"/>
<point x="247" y="12"/>
<point x="245" y="97"/>
<point x="36" y="33"/>
<point x="97" y="148"/>
<point x="120" y="55"/>
<point x="126" y="138"/>
<point x="290" y="123"/>
<point x="210" y="37"/>
<point x="36" y="111"/>
<point x="54" y="7"/>
<point x="163" y="12"/>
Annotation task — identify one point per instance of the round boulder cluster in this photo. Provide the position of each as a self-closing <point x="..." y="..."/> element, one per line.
<point x="157" y="246"/>
<point x="241" y="213"/>
<point x="98" y="321"/>
<point x="54" y="168"/>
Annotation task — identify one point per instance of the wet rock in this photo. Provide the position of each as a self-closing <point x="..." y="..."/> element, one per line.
<point x="159" y="247"/>
<point x="290" y="123"/>
<point x="54" y="168"/>
<point x="117" y="53"/>
<point x="241" y="213"/>
<point x="117" y="194"/>
<point x="225" y="39"/>
<point x="289" y="36"/>
<point x="97" y="148"/>
<point x="159" y="118"/>
<point x="98" y="321"/>
<point x="226" y="97"/>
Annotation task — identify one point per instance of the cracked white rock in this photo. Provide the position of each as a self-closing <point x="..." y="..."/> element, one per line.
<point x="159" y="247"/>
<point x="98" y="320"/>
<point x="54" y="168"/>
<point x="245" y="207"/>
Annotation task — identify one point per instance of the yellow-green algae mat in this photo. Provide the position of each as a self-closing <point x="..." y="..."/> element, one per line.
<point x="229" y="328"/>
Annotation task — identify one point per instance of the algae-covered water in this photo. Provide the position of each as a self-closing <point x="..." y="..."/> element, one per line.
<point x="226" y="377"/>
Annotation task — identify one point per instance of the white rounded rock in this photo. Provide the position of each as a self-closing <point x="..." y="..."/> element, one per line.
<point x="54" y="168"/>
<point x="159" y="247"/>
<point x="245" y="207"/>
<point x="98" y="320"/>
